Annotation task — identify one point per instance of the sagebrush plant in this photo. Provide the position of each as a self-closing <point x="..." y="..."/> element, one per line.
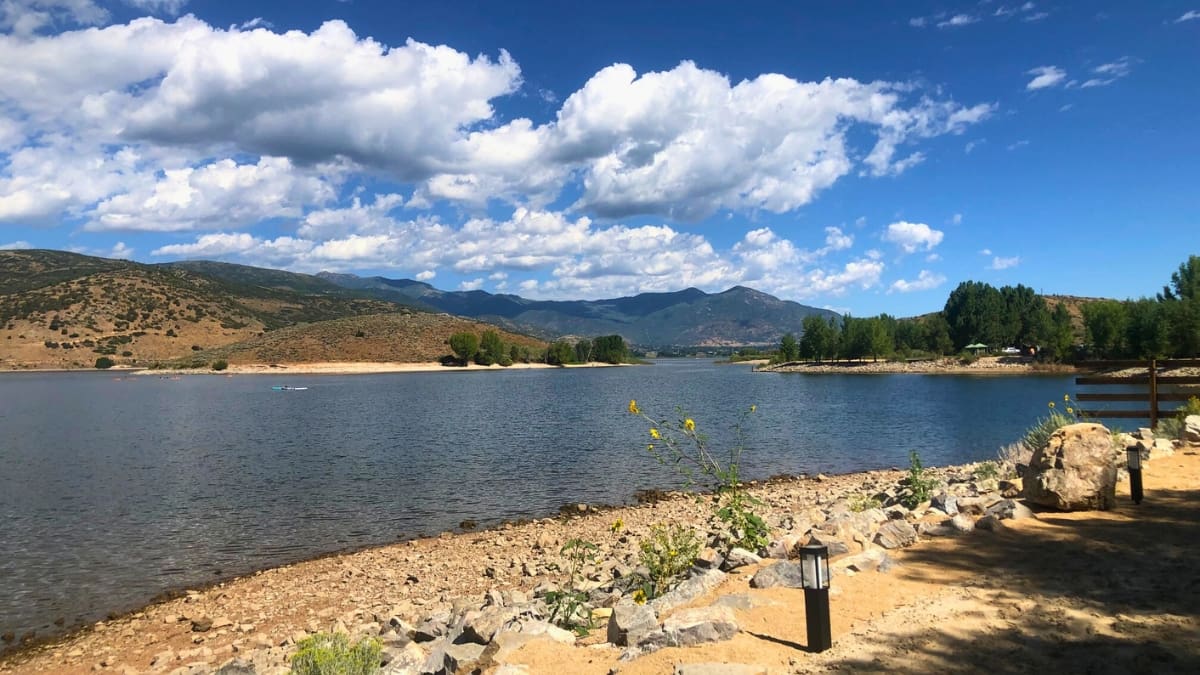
<point x="920" y="486"/>
<point x="668" y="553"/>
<point x="333" y="654"/>
<point x="677" y="443"/>
<point x="568" y="605"/>
<point x="859" y="502"/>
<point x="1036" y="436"/>
<point x="987" y="470"/>
<point x="1176" y="427"/>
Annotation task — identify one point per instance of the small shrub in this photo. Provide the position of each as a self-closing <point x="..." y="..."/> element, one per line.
<point x="332" y="654"/>
<point x="1037" y="436"/>
<point x="668" y="553"/>
<point x="860" y="502"/>
<point x="568" y="606"/>
<point x="220" y="364"/>
<point x="743" y="527"/>
<point x="920" y="486"/>
<point x="104" y="362"/>
<point x="987" y="470"/>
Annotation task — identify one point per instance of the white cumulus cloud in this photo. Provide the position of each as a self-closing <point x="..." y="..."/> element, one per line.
<point x="911" y="237"/>
<point x="1045" y="76"/>
<point x="999" y="263"/>
<point x="1190" y="15"/>
<point x="925" y="281"/>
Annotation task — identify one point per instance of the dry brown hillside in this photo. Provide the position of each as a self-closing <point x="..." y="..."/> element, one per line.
<point x="62" y="310"/>
<point x="404" y="337"/>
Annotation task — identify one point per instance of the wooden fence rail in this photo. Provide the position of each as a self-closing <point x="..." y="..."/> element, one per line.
<point x="1151" y="396"/>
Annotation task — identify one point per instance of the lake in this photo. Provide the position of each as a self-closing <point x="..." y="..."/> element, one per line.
<point x="114" y="490"/>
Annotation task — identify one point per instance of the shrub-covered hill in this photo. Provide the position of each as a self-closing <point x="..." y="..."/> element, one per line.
<point x="63" y="310"/>
<point x="402" y="337"/>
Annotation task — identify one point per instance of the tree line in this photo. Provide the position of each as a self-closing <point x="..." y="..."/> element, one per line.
<point x="1167" y="325"/>
<point x="489" y="348"/>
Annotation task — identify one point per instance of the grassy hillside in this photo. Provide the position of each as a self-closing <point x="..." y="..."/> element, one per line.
<point x="63" y="310"/>
<point x="404" y="337"/>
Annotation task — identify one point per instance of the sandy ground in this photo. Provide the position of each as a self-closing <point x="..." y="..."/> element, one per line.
<point x="1093" y="592"/>
<point x="984" y="365"/>
<point x="356" y="368"/>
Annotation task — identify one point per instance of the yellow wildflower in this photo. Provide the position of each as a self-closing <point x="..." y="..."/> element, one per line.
<point x="633" y="407"/>
<point x="753" y="408"/>
<point x="1051" y="404"/>
<point x="654" y="434"/>
<point x="689" y="424"/>
<point x="650" y="447"/>
<point x="639" y="596"/>
<point x="1070" y="411"/>
<point x="617" y="525"/>
<point x="1067" y="397"/>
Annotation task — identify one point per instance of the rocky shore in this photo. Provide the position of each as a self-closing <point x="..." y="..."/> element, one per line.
<point x="986" y="365"/>
<point x="967" y="577"/>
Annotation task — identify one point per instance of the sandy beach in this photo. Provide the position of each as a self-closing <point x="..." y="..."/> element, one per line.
<point x="985" y="365"/>
<point x="1112" y="591"/>
<point x="357" y="368"/>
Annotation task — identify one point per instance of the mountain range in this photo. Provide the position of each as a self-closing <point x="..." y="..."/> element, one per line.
<point x="691" y="317"/>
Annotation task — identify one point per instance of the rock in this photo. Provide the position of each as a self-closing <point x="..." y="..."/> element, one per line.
<point x="962" y="523"/>
<point x="871" y="559"/>
<point x="1075" y="471"/>
<point x="1161" y="448"/>
<point x="691" y="627"/>
<point x="1191" y="429"/>
<point x="709" y="559"/>
<point x="1010" y="489"/>
<point x="237" y="667"/>
<point x="1009" y="509"/>
<point x="459" y="657"/>
<point x="989" y="523"/>
<point x="548" y="630"/>
<point x="402" y="659"/>
<point x="431" y="629"/>
<point x="201" y="625"/>
<point x="783" y="574"/>
<point x="719" y="669"/>
<point x="688" y="591"/>
<point x="630" y="623"/>
<point x="896" y="534"/>
<point x="946" y="503"/>
<point x="740" y="557"/>
<point x="976" y="506"/>
<point x="837" y="548"/>
<point x="479" y="626"/>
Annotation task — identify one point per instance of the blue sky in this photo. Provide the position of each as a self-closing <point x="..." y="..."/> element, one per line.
<point x="861" y="156"/>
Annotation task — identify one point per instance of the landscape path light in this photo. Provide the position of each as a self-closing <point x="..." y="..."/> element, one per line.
<point x="1134" y="458"/>
<point x="814" y="574"/>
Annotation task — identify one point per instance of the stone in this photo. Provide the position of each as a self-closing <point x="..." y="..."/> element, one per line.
<point x="1009" y="509"/>
<point x="896" y="534"/>
<point x="962" y="523"/>
<point x="458" y="657"/>
<point x="402" y="660"/>
<point x="202" y="624"/>
<point x="1161" y="448"/>
<point x="708" y="559"/>
<point x="237" y="667"/>
<point x="719" y="669"/>
<point x="699" y="625"/>
<point x="431" y="629"/>
<point x="990" y="524"/>
<point x="871" y="559"/>
<point x="692" y="588"/>
<point x="1010" y="489"/>
<point x="783" y="574"/>
<point x="740" y="557"/>
<point x="1075" y="471"/>
<point x="549" y="630"/>
<point x="837" y="548"/>
<point x="946" y="503"/>
<point x="1191" y="429"/>
<point x="479" y="626"/>
<point x="630" y="623"/>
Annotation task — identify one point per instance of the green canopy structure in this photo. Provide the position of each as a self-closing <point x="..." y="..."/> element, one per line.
<point x="976" y="348"/>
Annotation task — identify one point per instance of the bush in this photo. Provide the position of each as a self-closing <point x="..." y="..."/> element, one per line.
<point x="1037" y="436"/>
<point x="332" y="654"/>
<point x="464" y="346"/>
<point x="104" y="362"/>
<point x="920" y="486"/>
<point x="987" y="470"/>
<point x="668" y="553"/>
<point x="220" y="364"/>
<point x="860" y="502"/>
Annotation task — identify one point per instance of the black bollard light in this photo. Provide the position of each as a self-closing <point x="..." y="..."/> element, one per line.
<point x="814" y="576"/>
<point x="1134" y="458"/>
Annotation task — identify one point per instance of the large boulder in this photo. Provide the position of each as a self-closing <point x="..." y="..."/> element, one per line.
<point x="1191" y="429"/>
<point x="1075" y="471"/>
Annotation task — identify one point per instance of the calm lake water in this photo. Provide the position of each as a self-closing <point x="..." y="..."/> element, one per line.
<point x="114" y="490"/>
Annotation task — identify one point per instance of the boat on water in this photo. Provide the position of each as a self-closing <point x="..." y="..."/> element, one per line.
<point x="280" y="387"/>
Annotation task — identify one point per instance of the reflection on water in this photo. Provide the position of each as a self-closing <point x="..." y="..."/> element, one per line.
<point x="112" y="491"/>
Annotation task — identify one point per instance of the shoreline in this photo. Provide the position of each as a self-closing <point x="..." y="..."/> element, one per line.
<point x="987" y="365"/>
<point x="261" y="614"/>
<point x="319" y="368"/>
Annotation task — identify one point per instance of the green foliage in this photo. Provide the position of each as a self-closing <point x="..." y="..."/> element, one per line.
<point x="332" y="654"/>
<point x="220" y="364"/>
<point x="789" y="349"/>
<point x="583" y="350"/>
<point x="568" y="605"/>
<point x="610" y="349"/>
<point x="668" y="553"/>
<point x="743" y="528"/>
<point x="987" y="471"/>
<point x="860" y="502"/>
<point x="464" y="345"/>
<point x="104" y="362"/>
<point x="920" y="486"/>
<point x="1105" y="322"/>
<point x="491" y="348"/>
<point x="1038" y="435"/>
<point x="560" y="353"/>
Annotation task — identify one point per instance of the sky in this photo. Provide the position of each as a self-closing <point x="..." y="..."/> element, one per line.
<point x="859" y="156"/>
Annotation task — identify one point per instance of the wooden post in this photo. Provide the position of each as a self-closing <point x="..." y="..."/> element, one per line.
<point x="1153" y="394"/>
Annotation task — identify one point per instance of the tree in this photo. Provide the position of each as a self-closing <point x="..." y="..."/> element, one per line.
<point x="1181" y="304"/>
<point x="1105" y="324"/>
<point x="879" y="336"/>
<point x="1146" y="331"/>
<point x="464" y="345"/>
<point x="937" y="334"/>
<point x="975" y="312"/>
<point x="491" y="349"/>
<point x="1062" y="335"/>
<point x="814" y="342"/>
<point x="560" y="353"/>
<point x="610" y="349"/>
<point x="583" y="350"/>
<point x="789" y="349"/>
<point x="104" y="362"/>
